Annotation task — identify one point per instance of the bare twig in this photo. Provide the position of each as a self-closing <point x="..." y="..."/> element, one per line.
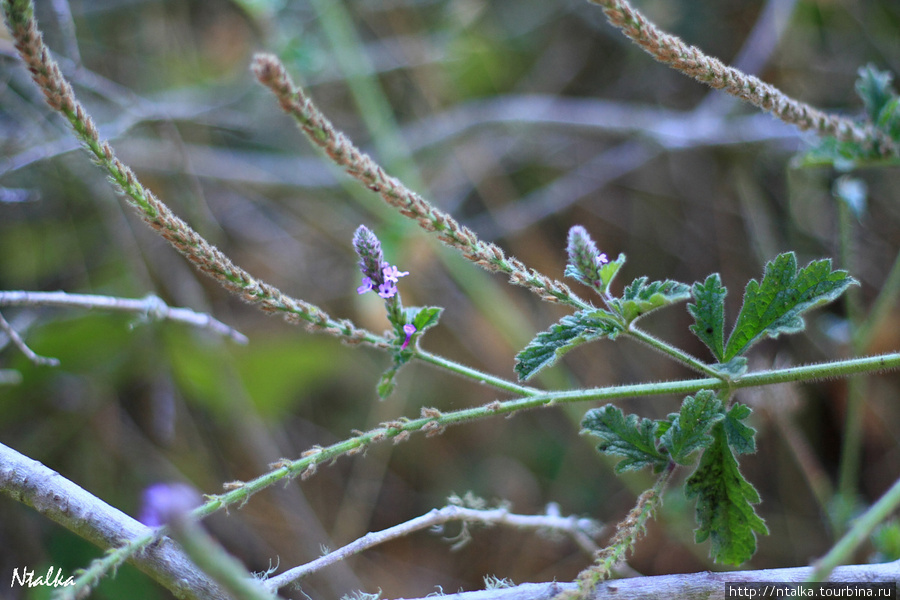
<point x="19" y="343"/>
<point x="573" y="526"/>
<point x="150" y="307"/>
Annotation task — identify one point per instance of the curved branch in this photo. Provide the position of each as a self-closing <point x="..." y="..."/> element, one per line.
<point x="61" y="500"/>
<point x="578" y="529"/>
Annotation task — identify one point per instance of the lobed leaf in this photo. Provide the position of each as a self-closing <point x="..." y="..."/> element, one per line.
<point x="776" y="305"/>
<point x="708" y="311"/>
<point x="572" y="330"/>
<point x="640" y="297"/>
<point x="740" y="437"/>
<point x="689" y="428"/>
<point x="725" y="501"/>
<point x="628" y="436"/>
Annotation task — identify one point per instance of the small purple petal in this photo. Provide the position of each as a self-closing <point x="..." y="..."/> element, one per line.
<point x="601" y="259"/>
<point x="367" y="285"/>
<point x="387" y="290"/>
<point x="165" y="502"/>
<point x="391" y="273"/>
<point x="408" y="329"/>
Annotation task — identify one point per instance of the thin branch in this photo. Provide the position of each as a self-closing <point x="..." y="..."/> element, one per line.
<point x="19" y="343"/>
<point x="150" y="307"/>
<point x="577" y="528"/>
<point x="688" y="586"/>
<point x="49" y="493"/>
<point x="690" y="60"/>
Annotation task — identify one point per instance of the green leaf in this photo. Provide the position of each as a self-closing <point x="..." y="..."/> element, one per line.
<point x="386" y="384"/>
<point x="641" y="297"/>
<point x="734" y="368"/>
<point x="776" y="305"/>
<point x="688" y="430"/>
<point x="725" y="501"/>
<point x="631" y="437"/>
<point x="740" y="437"/>
<point x="423" y="317"/>
<point x="889" y="119"/>
<point x="874" y="87"/>
<point x="570" y="331"/>
<point x="882" y="110"/>
<point x="844" y="156"/>
<point x="708" y="311"/>
<point x="609" y="270"/>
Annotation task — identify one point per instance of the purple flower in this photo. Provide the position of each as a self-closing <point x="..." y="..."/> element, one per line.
<point x="166" y="502"/>
<point x="378" y="274"/>
<point x="600" y="259"/>
<point x="391" y="273"/>
<point x="367" y="284"/>
<point x="408" y="329"/>
<point x="387" y="290"/>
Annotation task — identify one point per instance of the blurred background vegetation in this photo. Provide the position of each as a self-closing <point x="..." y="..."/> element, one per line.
<point x="520" y="117"/>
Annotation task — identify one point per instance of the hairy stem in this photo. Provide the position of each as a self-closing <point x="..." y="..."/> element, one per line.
<point x="627" y="533"/>
<point x="207" y="258"/>
<point x="691" y="61"/>
<point x="434" y="422"/>
<point x="475" y="374"/>
<point x="672" y="351"/>
<point x="320" y="131"/>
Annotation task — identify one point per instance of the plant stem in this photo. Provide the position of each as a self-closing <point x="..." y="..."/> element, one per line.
<point x="851" y="448"/>
<point x="672" y="351"/>
<point x="472" y="373"/>
<point x="434" y="422"/>
<point x="861" y="529"/>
